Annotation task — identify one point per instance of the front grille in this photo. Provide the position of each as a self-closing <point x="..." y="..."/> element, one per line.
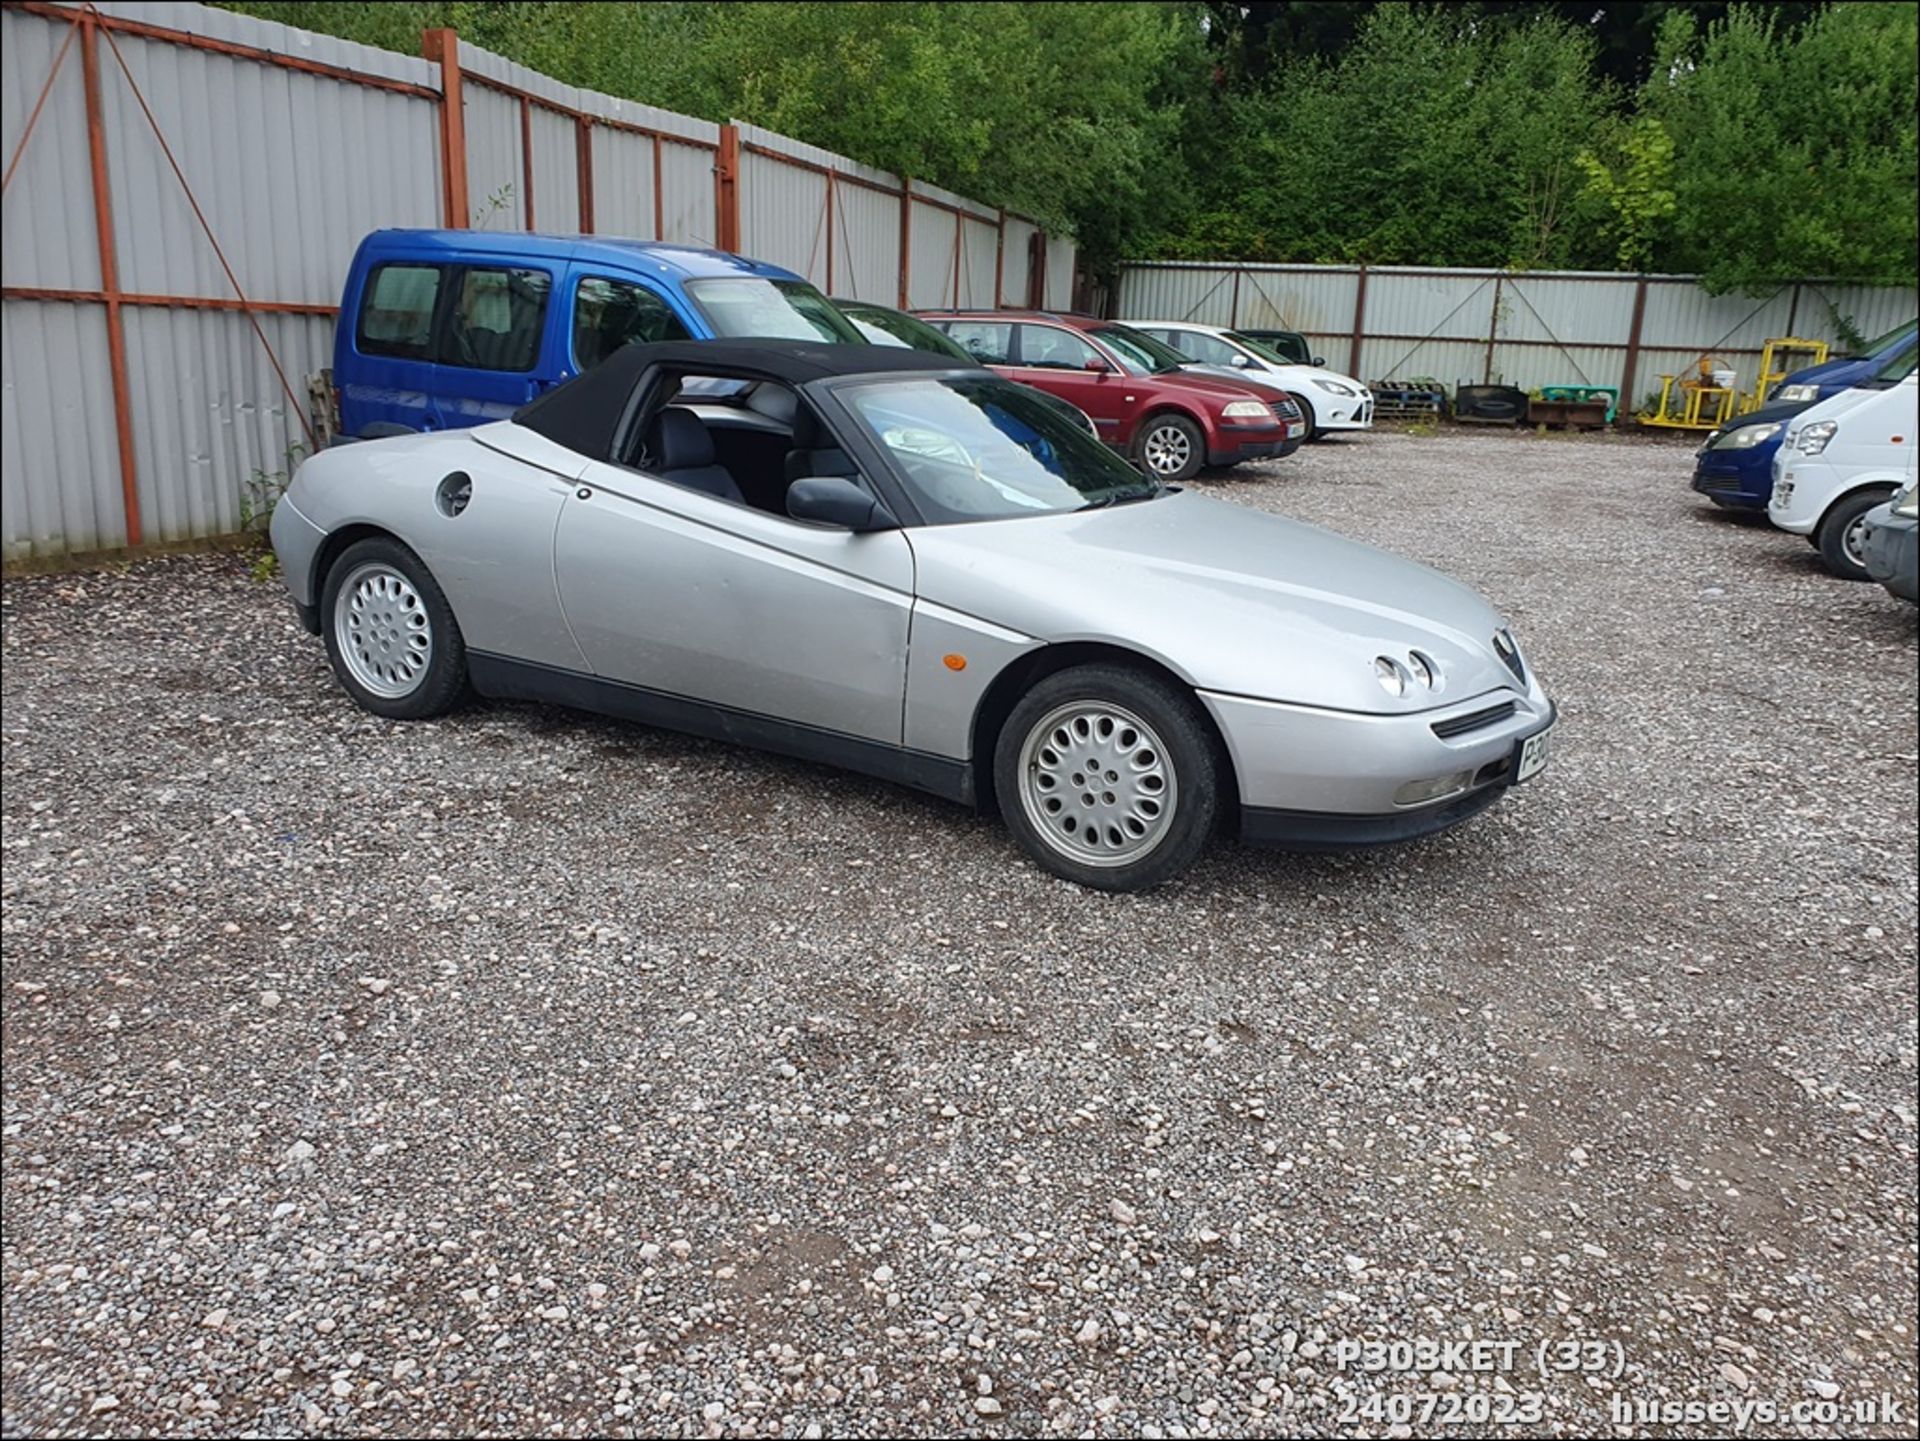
<point x="1459" y="725"/>
<point x="1285" y="411"/>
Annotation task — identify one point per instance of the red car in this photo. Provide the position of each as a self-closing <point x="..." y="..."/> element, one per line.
<point x="1168" y="420"/>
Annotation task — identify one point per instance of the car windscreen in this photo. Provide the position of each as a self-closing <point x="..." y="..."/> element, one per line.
<point x="1879" y="343"/>
<point x="1142" y="354"/>
<point x="1898" y="368"/>
<point x="1288" y="346"/>
<point x="890" y="327"/>
<point x="1266" y="350"/>
<point x="985" y="449"/>
<point x="749" y="307"/>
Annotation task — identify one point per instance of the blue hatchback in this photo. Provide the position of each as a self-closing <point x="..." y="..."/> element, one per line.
<point x="447" y="328"/>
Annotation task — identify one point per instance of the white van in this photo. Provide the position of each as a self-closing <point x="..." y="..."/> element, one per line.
<point x="1840" y="459"/>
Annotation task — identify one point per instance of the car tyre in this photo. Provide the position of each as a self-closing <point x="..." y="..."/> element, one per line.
<point x="1109" y="777"/>
<point x="1841" y="530"/>
<point x="1172" y="449"/>
<point x="390" y="634"/>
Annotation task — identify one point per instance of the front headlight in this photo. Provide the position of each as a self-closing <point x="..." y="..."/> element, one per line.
<point x="1392" y="676"/>
<point x="1334" y="386"/>
<point x="1816" y="437"/>
<point x="1907" y="503"/>
<point x="1797" y="394"/>
<point x="1246" y="410"/>
<point x="1745" y="437"/>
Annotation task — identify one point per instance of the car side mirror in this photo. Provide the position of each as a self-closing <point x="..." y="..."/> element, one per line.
<point x="1097" y="364"/>
<point x="1320" y="360"/>
<point x="1239" y="361"/>
<point x="835" y="500"/>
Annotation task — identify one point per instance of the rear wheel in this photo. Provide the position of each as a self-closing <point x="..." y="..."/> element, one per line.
<point x="1108" y="777"/>
<point x="1842" y="534"/>
<point x="390" y="633"/>
<point x="1172" y="447"/>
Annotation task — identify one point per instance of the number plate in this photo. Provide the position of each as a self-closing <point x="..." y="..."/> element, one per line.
<point x="1294" y="427"/>
<point x="1531" y="755"/>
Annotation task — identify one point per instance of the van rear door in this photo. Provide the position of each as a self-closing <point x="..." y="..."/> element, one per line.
<point x="384" y="355"/>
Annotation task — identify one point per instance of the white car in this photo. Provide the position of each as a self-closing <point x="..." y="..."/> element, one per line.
<point x="1332" y="401"/>
<point x="1839" y="460"/>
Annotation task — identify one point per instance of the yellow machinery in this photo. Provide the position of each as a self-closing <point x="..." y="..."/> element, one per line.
<point x="1780" y="359"/>
<point x="1703" y="398"/>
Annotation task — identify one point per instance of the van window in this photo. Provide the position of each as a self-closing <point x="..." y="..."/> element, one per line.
<point x="396" y="311"/>
<point x="608" y="314"/>
<point x="496" y="320"/>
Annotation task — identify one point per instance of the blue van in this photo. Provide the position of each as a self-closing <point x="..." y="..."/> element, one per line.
<point x="447" y="328"/>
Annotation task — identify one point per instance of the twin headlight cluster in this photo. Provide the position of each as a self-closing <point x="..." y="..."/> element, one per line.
<point x="1398" y="678"/>
<point x="1419" y="673"/>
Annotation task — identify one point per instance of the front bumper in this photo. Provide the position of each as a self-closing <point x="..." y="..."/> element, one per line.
<point x="1792" y="502"/>
<point x="1344" y="412"/>
<point x="1742" y="484"/>
<point x="1892" y="548"/>
<point x="1319" y="778"/>
<point x="1232" y="445"/>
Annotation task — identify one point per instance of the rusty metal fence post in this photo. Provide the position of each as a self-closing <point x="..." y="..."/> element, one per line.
<point x="443" y="48"/>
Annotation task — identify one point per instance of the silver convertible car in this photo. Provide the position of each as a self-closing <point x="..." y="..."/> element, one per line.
<point x="876" y="558"/>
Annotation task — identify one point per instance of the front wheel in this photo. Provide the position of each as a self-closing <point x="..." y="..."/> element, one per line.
<point x="390" y="633"/>
<point x="1172" y="449"/>
<point x="1108" y="777"/>
<point x="1843" y="532"/>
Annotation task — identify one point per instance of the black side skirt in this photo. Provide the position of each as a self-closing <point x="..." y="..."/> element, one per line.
<point x="1321" y="831"/>
<point x="503" y="678"/>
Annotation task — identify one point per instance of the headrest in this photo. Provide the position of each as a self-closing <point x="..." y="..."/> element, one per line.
<point x="776" y="402"/>
<point x="681" y="441"/>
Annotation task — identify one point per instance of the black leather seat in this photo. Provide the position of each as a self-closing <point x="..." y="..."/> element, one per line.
<point x="683" y="454"/>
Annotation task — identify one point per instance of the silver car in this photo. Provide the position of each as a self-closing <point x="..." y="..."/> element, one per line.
<point x="880" y="559"/>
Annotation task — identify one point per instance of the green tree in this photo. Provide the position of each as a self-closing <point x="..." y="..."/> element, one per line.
<point x="1634" y="189"/>
<point x="1794" y="153"/>
<point x="1430" y="140"/>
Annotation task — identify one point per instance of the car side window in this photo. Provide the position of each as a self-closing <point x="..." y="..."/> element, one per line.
<point x="1049" y="347"/>
<point x="1206" y="349"/>
<point x="497" y="319"/>
<point x="608" y="314"/>
<point x="987" y="341"/>
<point x="396" y="311"/>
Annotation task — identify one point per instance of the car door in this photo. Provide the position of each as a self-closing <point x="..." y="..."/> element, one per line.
<point x="492" y="334"/>
<point x="607" y="311"/>
<point x="1054" y="358"/>
<point x="384" y="365"/>
<point x="691" y="596"/>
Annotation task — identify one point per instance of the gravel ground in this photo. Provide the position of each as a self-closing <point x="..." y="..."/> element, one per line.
<point x="526" y="1072"/>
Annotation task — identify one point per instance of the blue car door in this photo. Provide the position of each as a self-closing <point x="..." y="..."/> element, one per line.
<point x="384" y="364"/>
<point x="495" y="349"/>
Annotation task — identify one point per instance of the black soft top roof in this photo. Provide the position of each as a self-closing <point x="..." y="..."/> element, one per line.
<point x="584" y="413"/>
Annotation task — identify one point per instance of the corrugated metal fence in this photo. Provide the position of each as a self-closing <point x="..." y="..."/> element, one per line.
<point x="1526" y="328"/>
<point x="185" y="188"/>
